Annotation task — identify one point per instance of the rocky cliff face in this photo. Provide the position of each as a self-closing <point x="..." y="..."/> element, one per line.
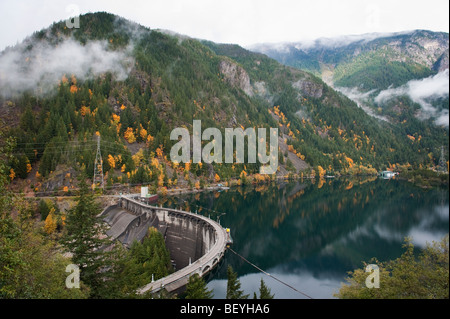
<point x="442" y="63"/>
<point x="422" y="47"/>
<point x="236" y="76"/>
<point x="309" y="87"/>
<point x="426" y="48"/>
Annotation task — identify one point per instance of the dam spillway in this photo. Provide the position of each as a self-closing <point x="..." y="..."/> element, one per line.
<point x="195" y="242"/>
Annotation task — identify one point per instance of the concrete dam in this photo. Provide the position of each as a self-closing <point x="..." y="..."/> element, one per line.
<point x="196" y="243"/>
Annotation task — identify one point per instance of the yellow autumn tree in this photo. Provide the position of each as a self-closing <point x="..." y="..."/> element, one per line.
<point x="349" y="161"/>
<point x="321" y="171"/>
<point x="50" y="222"/>
<point x="154" y="162"/>
<point x="85" y="110"/>
<point x="159" y="151"/>
<point x="63" y="220"/>
<point x="12" y="174"/>
<point x="73" y="89"/>
<point x="111" y="161"/>
<point x="142" y="133"/>
<point x="115" y="119"/>
<point x="161" y="179"/>
<point x="129" y="135"/>
<point x="138" y="157"/>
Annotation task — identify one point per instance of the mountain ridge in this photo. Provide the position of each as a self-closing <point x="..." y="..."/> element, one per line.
<point x="425" y="48"/>
<point x="170" y="81"/>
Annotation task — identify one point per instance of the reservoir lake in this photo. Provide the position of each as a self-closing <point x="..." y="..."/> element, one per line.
<point x="310" y="233"/>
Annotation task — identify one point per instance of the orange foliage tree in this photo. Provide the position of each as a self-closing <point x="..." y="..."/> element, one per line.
<point x="50" y="222"/>
<point x="129" y="135"/>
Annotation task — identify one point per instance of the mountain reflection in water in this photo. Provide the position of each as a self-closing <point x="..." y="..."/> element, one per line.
<point x="311" y="234"/>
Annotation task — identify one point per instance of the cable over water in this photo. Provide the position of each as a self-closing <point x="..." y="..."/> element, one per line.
<point x="266" y="273"/>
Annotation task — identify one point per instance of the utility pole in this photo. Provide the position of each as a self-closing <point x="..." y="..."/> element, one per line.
<point x="98" y="167"/>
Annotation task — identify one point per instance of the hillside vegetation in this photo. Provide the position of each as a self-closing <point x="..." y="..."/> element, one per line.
<point x="161" y="81"/>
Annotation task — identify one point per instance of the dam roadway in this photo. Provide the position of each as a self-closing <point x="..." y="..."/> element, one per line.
<point x="196" y="243"/>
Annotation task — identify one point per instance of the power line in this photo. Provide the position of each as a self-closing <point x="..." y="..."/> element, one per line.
<point x="58" y="150"/>
<point x="112" y="187"/>
<point x="247" y="261"/>
<point x="266" y="273"/>
<point x="68" y="148"/>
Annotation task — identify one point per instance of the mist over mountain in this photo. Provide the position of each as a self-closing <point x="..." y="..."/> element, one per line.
<point x="373" y="69"/>
<point x="418" y="46"/>
<point x="37" y="68"/>
<point x="423" y="92"/>
<point x="131" y="85"/>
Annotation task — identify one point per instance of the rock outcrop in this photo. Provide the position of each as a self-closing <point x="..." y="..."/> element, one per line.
<point x="236" y="76"/>
<point x="309" y="88"/>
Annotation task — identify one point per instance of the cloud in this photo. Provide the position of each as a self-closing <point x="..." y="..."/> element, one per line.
<point x="335" y="42"/>
<point x="422" y="92"/>
<point x="443" y="118"/>
<point x="345" y="40"/>
<point x="361" y="99"/>
<point x="40" y="68"/>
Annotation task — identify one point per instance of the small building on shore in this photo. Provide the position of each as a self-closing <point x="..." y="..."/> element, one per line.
<point x="388" y="174"/>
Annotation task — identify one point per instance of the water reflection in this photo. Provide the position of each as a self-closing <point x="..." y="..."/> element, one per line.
<point x="313" y="233"/>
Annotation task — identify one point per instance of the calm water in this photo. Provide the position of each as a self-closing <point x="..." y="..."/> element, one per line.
<point x="311" y="234"/>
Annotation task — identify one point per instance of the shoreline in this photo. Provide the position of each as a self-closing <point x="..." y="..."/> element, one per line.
<point x="125" y="189"/>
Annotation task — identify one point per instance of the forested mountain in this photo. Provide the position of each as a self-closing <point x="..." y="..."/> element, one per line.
<point x="62" y="87"/>
<point x="372" y="61"/>
<point x="401" y="78"/>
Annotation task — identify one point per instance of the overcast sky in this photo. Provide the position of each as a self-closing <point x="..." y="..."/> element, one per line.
<point x="243" y="22"/>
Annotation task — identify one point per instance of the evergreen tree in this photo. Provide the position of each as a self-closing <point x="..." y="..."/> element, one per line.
<point x="43" y="209"/>
<point x="27" y="121"/>
<point x="196" y="288"/>
<point x="264" y="291"/>
<point x="30" y="265"/>
<point x="83" y="238"/>
<point x="132" y="269"/>
<point x="234" y="286"/>
<point x="10" y="257"/>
